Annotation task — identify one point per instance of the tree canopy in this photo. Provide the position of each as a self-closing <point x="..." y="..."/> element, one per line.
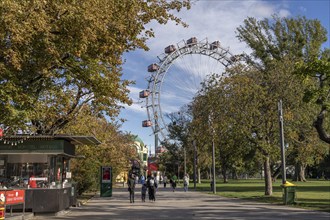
<point x="57" y="56"/>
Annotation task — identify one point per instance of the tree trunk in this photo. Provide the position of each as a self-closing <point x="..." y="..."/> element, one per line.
<point x="199" y="175"/>
<point x="224" y="174"/>
<point x="268" y="177"/>
<point x="320" y="127"/>
<point x="234" y="174"/>
<point x="300" y="172"/>
<point x="276" y="173"/>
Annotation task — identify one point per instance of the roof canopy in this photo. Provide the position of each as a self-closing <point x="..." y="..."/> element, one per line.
<point x="73" y="139"/>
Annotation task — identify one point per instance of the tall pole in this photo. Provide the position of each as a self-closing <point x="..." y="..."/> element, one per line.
<point x="213" y="165"/>
<point x="213" y="155"/>
<point x="184" y="161"/>
<point x="195" y="165"/>
<point x="280" y="113"/>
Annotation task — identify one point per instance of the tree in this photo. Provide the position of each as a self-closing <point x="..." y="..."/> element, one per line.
<point x="283" y="40"/>
<point x="116" y="150"/>
<point x="171" y="159"/>
<point x="200" y="136"/>
<point x="56" y="57"/>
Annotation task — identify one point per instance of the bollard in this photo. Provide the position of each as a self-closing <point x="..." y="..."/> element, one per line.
<point x="2" y="213"/>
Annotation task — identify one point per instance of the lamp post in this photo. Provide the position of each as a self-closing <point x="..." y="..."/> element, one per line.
<point x="195" y="164"/>
<point x="213" y="165"/>
<point x="184" y="161"/>
<point x="280" y="114"/>
<point x="213" y="156"/>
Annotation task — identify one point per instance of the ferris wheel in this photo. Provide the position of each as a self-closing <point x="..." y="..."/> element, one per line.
<point x="177" y="77"/>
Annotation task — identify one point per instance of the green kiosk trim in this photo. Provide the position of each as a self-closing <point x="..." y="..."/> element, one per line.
<point x="106" y="181"/>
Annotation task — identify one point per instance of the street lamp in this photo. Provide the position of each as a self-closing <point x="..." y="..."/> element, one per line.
<point x="280" y="114"/>
<point x="184" y="161"/>
<point x="213" y="157"/>
<point x="195" y="163"/>
<point x="213" y="165"/>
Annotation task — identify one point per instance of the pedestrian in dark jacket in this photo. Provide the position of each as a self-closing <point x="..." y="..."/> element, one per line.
<point x="131" y="187"/>
<point x="144" y="192"/>
<point x="151" y="183"/>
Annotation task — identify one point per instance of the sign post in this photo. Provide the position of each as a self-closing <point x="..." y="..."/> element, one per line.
<point x="106" y="181"/>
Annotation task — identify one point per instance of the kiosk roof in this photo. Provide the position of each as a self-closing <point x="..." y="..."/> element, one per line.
<point x="73" y="139"/>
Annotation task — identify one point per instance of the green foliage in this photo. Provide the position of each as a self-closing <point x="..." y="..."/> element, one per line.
<point x="56" y="57"/>
<point x="116" y="150"/>
<point x="298" y="38"/>
<point x="317" y="70"/>
<point x="170" y="160"/>
<point x="276" y="46"/>
<point x="61" y="71"/>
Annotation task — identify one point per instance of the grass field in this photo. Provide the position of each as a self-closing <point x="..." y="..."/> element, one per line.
<point x="313" y="194"/>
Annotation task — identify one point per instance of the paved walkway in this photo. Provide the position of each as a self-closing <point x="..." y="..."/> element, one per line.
<point x="182" y="205"/>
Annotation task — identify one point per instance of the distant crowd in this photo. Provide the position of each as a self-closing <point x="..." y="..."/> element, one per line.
<point x="151" y="183"/>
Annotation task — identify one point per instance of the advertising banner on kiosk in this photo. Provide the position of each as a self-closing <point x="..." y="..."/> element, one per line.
<point x="106" y="181"/>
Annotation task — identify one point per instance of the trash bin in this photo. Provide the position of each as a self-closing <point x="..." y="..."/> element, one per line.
<point x="289" y="193"/>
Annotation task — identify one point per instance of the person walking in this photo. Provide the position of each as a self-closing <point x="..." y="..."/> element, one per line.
<point x="185" y="182"/>
<point x="151" y="188"/>
<point x="144" y="192"/>
<point x="165" y="181"/>
<point x="143" y="179"/>
<point x="131" y="187"/>
<point x="173" y="184"/>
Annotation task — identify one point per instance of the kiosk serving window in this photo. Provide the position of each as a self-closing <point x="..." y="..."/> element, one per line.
<point x="34" y="171"/>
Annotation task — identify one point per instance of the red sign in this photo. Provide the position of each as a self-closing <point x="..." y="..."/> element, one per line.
<point x="106" y="174"/>
<point x="152" y="167"/>
<point x="15" y="197"/>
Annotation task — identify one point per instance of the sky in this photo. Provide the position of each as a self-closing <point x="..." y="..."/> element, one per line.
<point x="208" y="20"/>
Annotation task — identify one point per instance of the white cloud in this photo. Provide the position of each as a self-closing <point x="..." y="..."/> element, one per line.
<point x="284" y="13"/>
<point x="136" y="108"/>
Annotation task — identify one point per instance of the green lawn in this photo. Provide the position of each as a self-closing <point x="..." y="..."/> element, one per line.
<point x="313" y="194"/>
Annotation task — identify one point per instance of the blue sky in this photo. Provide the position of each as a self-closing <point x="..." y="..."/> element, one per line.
<point x="211" y="19"/>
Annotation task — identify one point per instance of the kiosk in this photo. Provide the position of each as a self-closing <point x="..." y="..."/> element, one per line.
<point x="41" y="166"/>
